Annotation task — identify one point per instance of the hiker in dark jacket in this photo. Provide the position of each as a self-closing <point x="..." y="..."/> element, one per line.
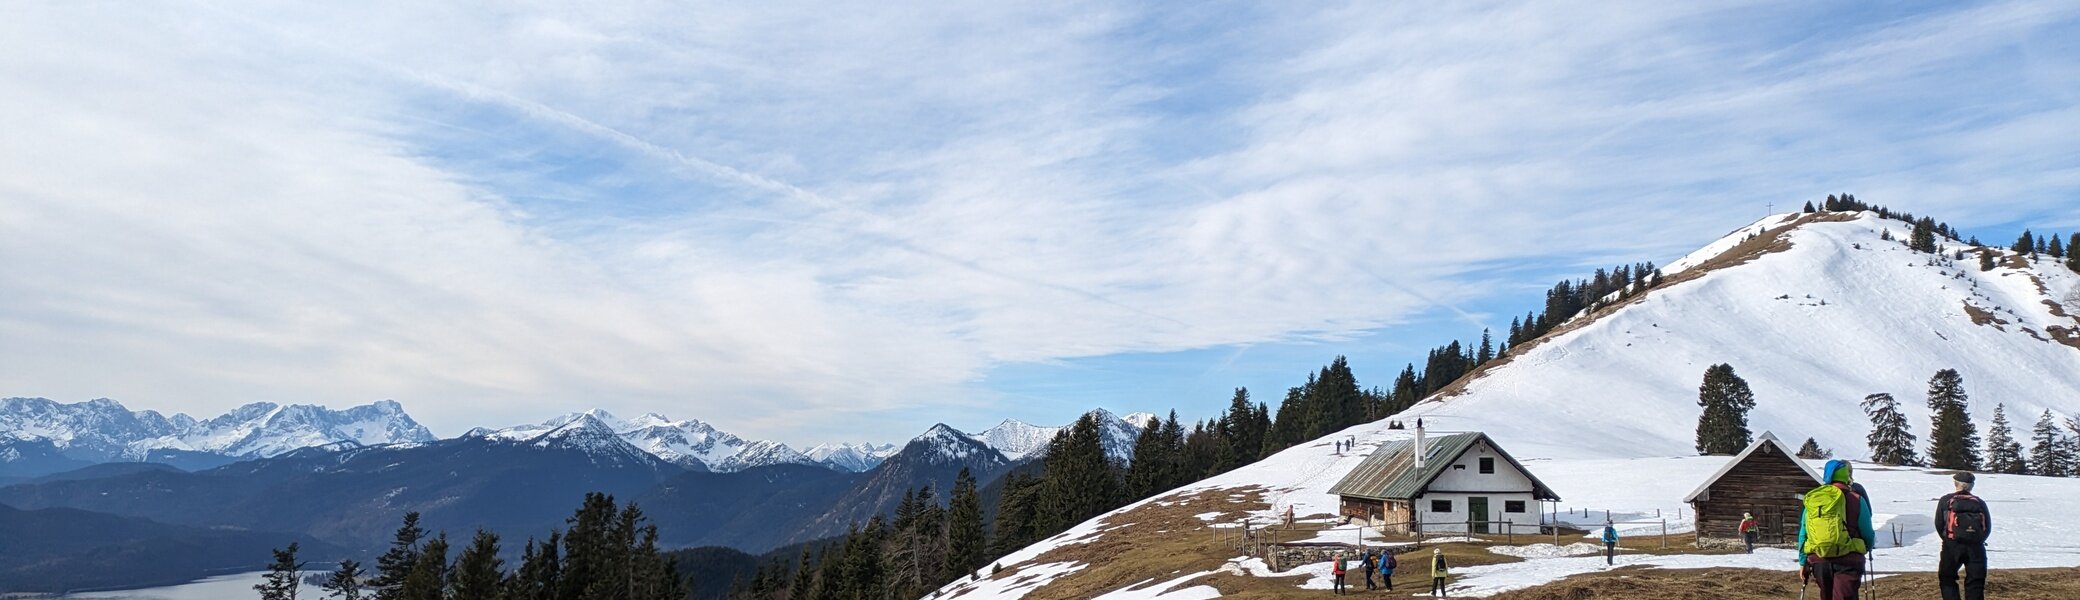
<point x="1831" y="553"/>
<point x="1963" y="523"/>
<point x="1371" y="563"/>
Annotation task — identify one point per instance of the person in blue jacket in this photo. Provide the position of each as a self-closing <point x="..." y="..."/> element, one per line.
<point x="1610" y="543"/>
<point x="1840" y="577"/>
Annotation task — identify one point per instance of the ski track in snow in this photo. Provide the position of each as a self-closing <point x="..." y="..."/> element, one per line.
<point x="1605" y="414"/>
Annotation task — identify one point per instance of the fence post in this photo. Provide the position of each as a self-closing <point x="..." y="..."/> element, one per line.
<point x="1511" y="529"/>
<point x="1664" y="534"/>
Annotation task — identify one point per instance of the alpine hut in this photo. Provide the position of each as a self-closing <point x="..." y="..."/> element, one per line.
<point x="1451" y="483"/>
<point x="1766" y="480"/>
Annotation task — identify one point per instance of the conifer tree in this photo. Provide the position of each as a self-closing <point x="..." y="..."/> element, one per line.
<point x="428" y="579"/>
<point x="1985" y="260"/>
<point x="804" y="586"/>
<point x="281" y="581"/>
<point x="2073" y="253"/>
<point x="1953" y="441"/>
<point x="478" y="571"/>
<point x="1812" y="449"/>
<point x="1079" y="480"/>
<point x="1487" y="351"/>
<point x="1923" y="238"/>
<point x="2025" y="244"/>
<point x="2058" y="247"/>
<point x="2003" y="453"/>
<point x="965" y="541"/>
<point x="540" y="570"/>
<point x="346" y="582"/>
<point x="397" y="562"/>
<point x="1723" y="426"/>
<point x="1809" y="207"/>
<point x="1016" y="511"/>
<point x="1891" y="442"/>
<point x="2050" y="454"/>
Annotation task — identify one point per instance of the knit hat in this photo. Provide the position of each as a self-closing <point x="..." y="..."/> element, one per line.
<point x="1963" y="477"/>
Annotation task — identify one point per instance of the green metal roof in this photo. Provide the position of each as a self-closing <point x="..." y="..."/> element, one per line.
<point x="1390" y="473"/>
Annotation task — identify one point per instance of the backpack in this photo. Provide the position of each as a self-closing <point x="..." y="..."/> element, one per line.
<point x="1338" y="570"/>
<point x="1829" y="531"/>
<point x="1967" y="519"/>
<point x="1391" y="563"/>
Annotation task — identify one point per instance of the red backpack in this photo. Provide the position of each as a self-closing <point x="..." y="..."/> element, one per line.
<point x="1967" y="522"/>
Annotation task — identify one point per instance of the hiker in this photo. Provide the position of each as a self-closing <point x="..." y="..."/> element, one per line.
<point x="1834" y="532"/>
<point x="1336" y="572"/>
<point x="1610" y="543"/>
<point x="1386" y="568"/>
<point x="1438" y="573"/>
<point x="1289" y="515"/>
<point x="1748" y="532"/>
<point x="1963" y="523"/>
<point x="1371" y="564"/>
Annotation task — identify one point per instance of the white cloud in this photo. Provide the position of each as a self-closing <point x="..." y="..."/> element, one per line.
<point x="804" y="219"/>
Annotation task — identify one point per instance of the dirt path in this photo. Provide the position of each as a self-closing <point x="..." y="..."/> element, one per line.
<point x="1749" y="584"/>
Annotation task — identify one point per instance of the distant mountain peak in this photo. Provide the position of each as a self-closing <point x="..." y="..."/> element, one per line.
<point x="103" y="430"/>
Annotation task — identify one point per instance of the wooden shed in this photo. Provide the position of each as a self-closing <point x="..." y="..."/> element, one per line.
<point x="1767" y="479"/>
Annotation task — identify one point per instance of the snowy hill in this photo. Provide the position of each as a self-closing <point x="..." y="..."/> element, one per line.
<point x="1814" y="311"/>
<point x="103" y="430"/>
<point x="1814" y="327"/>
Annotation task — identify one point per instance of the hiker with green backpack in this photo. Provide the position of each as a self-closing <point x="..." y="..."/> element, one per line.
<point x="1835" y="533"/>
<point x="1963" y="523"/>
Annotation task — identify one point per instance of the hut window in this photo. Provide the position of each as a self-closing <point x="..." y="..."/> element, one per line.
<point x="1443" y="506"/>
<point x="1487" y="466"/>
<point x="1458" y="467"/>
<point x="1513" y="506"/>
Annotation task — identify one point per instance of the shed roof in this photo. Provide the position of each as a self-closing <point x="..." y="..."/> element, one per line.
<point x="1390" y="473"/>
<point x="1765" y="438"/>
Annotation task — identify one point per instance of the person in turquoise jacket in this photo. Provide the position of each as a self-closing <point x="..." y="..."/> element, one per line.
<point x="1839" y="577"/>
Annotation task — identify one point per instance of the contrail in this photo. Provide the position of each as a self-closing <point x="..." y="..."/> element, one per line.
<point x="710" y="169"/>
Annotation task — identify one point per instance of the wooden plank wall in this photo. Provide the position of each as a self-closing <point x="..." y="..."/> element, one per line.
<point x="1767" y="484"/>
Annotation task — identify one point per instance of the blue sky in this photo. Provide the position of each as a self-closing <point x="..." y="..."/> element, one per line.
<point x="819" y="223"/>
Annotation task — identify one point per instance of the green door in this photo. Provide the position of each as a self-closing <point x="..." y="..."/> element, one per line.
<point x="1477" y="511"/>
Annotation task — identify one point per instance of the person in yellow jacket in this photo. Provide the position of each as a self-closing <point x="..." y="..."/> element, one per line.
<point x="1439" y="572"/>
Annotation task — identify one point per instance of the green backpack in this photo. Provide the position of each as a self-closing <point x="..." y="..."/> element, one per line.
<point x="1828" y="531"/>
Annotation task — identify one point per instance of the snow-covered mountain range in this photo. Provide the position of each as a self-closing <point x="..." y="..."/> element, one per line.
<point x="103" y="430"/>
<point x="1018" y="439"/>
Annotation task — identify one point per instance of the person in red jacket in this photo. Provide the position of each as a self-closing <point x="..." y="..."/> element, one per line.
<point x="1748" y="532"/>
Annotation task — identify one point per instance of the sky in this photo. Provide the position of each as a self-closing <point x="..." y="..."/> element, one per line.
<point x="818" y="222"/>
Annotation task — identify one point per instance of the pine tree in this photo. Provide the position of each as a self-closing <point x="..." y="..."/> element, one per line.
<point x="2025" y="244"/>
<point x="1017" y="509"/>
<point x="2050" y="454"/>
<point x="428" y="579"/>
<point x="1487" y="351"/>
<point x="804" y="586"/>
<point x="1079" y="480"/>
<point x="397" y="562"/>
<point x="2003" y="453"/>
<point x="1953" y="441"/>
<point x="965" y="541"/>
<point x="1809" y="207"/>
<point x="540" y="571"/>
<point x="2073" y="253"/>
<point x="346" y="582"/>
<point x="1723" y="426"/>
<point x="1985" y="260"/>
<point x="1891" y="442"/>
<point x="478" y="570"/>
<point x="2058" y="247"/>
<point x="1923" y="238"/>
<point x="1812" y="449"/>
<point x="281" y="580"/>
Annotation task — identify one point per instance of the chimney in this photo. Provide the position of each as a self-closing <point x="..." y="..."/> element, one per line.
<point x="1419" y="443"/>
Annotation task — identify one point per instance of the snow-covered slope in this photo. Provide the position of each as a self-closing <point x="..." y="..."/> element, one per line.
<point x="1814" y="328"/>
<point x="104" y="430"/>
<point x="1604" y="410"/>
<point x="856" y="458"/>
